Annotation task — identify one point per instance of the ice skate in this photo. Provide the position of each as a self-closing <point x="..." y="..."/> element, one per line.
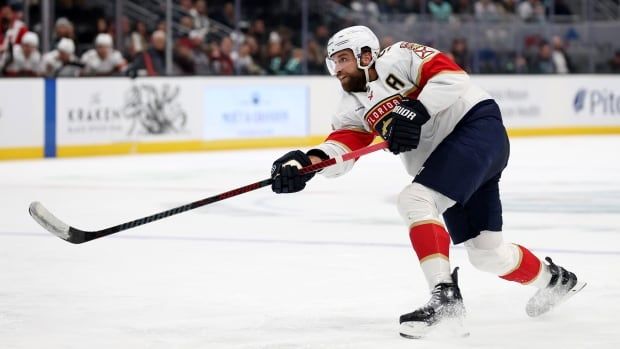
<point x="445" y="306"/>
<point x="562" y="286"/>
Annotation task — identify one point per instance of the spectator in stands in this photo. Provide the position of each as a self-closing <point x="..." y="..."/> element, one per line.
<point x="560" y="58"/>
<point x="63" y="29"/>
<point x="103" y="26"/>
<point x="227" y="15"/>
<point x="62" y="61"/>
<point x="200" y="15"/>
<point x="531" y="11"/>
<point x="293" y="64"/>
<point x="202" y="65"/>
<point x="460" y="54"/>
<point x="103" y="60"/>
<point x="316" y="58"/>
<point x="187" y="25"/>
<point x="137" y="39"/>
<point x="275" y="56"/>
<point x="12" y="29"/>
<point x="221" y="62"/>
<point x="441" y="10"/>
<point x="185" y="6"/>
<point x="152" y="61"/>
<point x="244" y="64"/>
<point x="543" y="62"/>
<point x="25" y="59"/>
<point x="486" y="10"/>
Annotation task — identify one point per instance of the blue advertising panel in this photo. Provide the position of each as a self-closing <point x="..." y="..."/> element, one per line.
<point x="236" y="112"/>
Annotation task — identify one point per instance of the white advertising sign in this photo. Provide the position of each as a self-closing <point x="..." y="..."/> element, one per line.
<point x="109" y="110"/>
<point x="21" y="113"/>
<point x="554" y="100"/>
<point x="241" y="111"/>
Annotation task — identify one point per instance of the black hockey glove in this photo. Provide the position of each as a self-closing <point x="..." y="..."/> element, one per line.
<point x="285" y="172"/>
<point x="403" y="125"/>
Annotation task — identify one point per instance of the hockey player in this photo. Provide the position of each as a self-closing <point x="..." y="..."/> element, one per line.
<point x="25" y="58"/>
<point x="103" y="60"/>
<point x="450" y="136"/>
<point x="61" y="61"/>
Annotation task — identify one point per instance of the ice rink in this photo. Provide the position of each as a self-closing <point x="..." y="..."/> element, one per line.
<point x="330" y="267"/>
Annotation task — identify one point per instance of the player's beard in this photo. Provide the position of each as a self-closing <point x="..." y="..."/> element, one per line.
<point x="355" y="82"/>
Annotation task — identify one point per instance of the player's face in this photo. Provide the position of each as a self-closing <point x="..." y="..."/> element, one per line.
<point x="351" y="77"/>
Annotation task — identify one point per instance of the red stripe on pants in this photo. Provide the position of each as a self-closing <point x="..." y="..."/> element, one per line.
<point x="429" y="239"/>
<point x="527" y="269"/>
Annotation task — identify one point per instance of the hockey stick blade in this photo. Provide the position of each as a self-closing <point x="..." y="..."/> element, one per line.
<point x="54" y="225"/>
<point x="76" y="236"/>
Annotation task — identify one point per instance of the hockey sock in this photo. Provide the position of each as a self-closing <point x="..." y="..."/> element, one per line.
<point x="529" y="270"/>
<point x="431" y="243"/>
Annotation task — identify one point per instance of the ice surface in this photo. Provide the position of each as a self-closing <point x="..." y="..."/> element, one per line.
<point x="330" y="267"/>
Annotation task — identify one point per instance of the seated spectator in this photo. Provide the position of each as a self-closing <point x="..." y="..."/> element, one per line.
<point x="12" y="29"/>
<point x="441" y="10"/>
<point x="152" y="61"/>
<point x="61" y="61"/>
<point x="560" y="58"/>
<point x="221" y="62"/>
<point x="244" y="63"/>
<point x="103" y="60"/>
<point x="137" y="39"/>
<point x="293" y="64"/>
<point x="531" y="11"/>
<point x="202" y="65"/>
<point x="460" y="54"/>
<point x="542" y="63"/>
<point x="486" y="10"/>
<point x="25" y="59"/>
<point x="63" y="29"/>
<point x="316" y="58"/>
<point x="200" y="16"/>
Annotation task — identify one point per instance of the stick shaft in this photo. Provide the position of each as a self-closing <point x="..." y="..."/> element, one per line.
<point x="87" y="236"/>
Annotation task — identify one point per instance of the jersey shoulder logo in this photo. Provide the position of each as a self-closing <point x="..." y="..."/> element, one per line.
<point x="420" y="50"/>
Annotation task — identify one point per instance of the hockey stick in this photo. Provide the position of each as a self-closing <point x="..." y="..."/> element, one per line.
<point x="76" y="236"/>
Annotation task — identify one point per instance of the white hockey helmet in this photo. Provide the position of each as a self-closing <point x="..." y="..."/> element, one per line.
<point x="31" y="39"/>
<point x="355" y="38"/>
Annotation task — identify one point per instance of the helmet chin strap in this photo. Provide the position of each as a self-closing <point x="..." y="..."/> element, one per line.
<point x="367" y="74"/>
<point x="365" y="69"/>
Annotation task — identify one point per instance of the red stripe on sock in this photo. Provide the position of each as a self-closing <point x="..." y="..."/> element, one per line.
<point x="527" y="269"/>
<point x="429" y="239"/>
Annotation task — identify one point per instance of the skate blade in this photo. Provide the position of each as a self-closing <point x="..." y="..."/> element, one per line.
<point x="453" y="327"/>
<point x="573" y="291"/>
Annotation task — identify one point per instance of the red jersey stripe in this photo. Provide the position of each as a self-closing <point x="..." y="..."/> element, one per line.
<point x="352" y="139"/>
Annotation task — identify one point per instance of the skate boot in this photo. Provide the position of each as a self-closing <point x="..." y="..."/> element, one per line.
<point x="562" y="286"/>
<point x="446" y="303"/>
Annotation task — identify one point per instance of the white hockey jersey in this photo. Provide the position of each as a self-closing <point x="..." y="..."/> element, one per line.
<point x="51" y="63"/>
<point x="94" y="65"/>
<point x="22" y="65"/>
<point x="411" y="70"/>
